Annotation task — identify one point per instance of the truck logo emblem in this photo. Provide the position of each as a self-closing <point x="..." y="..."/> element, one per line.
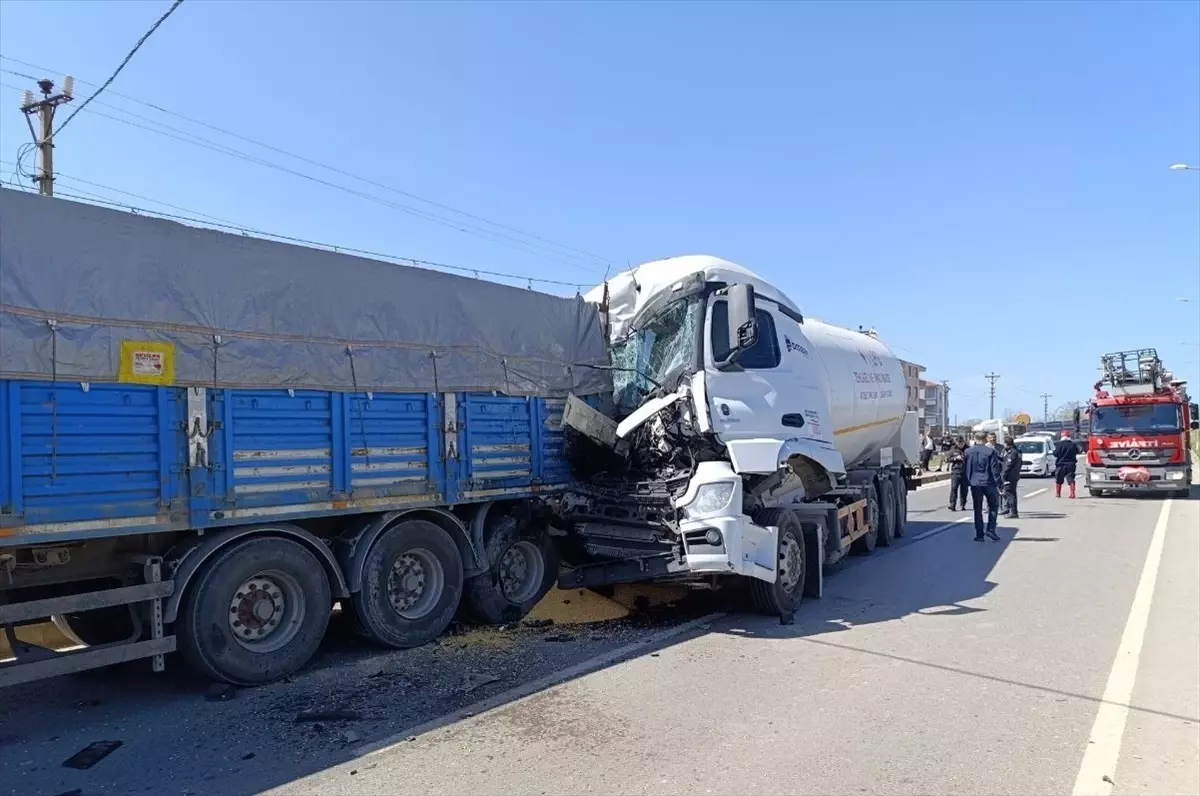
<point x="1135" y="454"/>
<point x="725" y="410"/>
<point x="787" y="341"/>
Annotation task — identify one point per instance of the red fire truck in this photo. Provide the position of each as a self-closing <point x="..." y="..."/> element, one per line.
<point x="1141" y="426"/>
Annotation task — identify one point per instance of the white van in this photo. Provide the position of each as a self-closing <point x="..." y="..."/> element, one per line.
<point x="1037" y="454"/>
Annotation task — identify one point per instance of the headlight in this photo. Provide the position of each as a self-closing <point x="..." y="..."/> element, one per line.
<point x="1096" y="476"/>
<point x="710" y="499"/>
<point x="1175" y="476"/>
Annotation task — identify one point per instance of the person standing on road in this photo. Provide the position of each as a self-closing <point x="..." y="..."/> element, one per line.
<point x="981" y="467"/>
<point x="926" y="451"/>
<point x="1066" y="454"/>
<point x="1010" y="474"/>
<point x="990" y="441"/>
<point x="958" y="482"/>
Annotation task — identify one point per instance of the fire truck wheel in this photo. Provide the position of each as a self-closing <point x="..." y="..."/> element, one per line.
<point x="1096" y="492"/>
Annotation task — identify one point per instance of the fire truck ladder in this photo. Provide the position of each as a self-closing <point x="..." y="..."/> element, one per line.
<point x="1136" y="372"/>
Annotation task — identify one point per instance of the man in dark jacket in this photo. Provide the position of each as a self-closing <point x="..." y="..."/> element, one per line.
<point x="1010" y="473"/>
<point x="958" y="483"/>
<point x="981" y="466"/>
<point x="1066" y="452"/>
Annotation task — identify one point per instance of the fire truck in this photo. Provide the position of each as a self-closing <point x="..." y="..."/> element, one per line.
<point x="1141" y="426"/>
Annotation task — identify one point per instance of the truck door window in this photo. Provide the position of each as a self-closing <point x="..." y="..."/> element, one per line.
<point x="765" y="353"/>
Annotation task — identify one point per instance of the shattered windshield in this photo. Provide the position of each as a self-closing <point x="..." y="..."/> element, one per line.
<point x="657" y="351"/>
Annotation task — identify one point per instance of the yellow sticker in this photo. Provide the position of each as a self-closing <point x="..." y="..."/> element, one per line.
<point x="147" y="362"/>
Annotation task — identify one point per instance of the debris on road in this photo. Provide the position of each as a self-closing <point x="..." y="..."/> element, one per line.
<point x="328" y="715"/>
<point x="474" y="680"/>
<point x="92" y="754"/>
<point x="220" y="692"/>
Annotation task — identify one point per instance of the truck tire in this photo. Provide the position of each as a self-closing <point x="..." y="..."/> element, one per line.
<point x="901" y="519"/>
<point x="255" y="612"/>
<point x="522" y="567"/>
<point x="782" y="597"/>
<point x="865" y="544"/>
<point x="93" y="628"/>
<point x="887" y="512"/>
<point x="1096" y="492"/>
<point x="412" y="582"/>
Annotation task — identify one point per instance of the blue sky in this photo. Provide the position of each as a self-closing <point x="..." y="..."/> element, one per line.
<point x="950" y="173"/>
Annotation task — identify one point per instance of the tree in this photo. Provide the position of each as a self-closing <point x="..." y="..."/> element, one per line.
<point x="1066" y="411"/>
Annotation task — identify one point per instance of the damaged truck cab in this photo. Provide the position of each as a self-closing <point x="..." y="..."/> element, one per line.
<point x="752" y="441"/>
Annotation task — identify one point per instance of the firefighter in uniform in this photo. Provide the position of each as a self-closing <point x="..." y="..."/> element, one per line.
<point x="1065" y="454"/>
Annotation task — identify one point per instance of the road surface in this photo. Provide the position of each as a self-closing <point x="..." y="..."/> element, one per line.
<point x="1063" y="659"/>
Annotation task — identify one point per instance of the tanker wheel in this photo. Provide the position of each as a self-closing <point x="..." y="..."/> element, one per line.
<point x="865" y="544"/>
<point x="782" y="597"/>
<point x="900" y="490"/>
<point x="521" y="569"/>
<point x="887" y="512"/>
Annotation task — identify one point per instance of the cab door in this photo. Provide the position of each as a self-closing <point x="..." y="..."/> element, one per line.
<point x="774" y="398"/>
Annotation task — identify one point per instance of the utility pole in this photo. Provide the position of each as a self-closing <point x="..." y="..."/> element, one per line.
<point x="44" y="108"/>
<point x="992" y="378"/>
<point x="1046" y="407"/>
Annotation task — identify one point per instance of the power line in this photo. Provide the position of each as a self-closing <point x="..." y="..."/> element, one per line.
<point x="604" y="260"/>
<point x="122" y="65"/>
<point x="204" y="143"/>
<point x="476" y="272"/>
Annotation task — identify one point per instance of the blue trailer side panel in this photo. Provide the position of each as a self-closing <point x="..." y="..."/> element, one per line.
<point x="113" y="459"/>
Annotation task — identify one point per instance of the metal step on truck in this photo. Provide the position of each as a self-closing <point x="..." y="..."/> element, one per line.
<point x="209" y="440"/>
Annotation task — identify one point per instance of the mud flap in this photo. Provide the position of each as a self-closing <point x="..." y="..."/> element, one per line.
<point x="814" y="557"/>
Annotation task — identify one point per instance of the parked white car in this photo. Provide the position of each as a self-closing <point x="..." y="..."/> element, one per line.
<point x="1037" y="455"/>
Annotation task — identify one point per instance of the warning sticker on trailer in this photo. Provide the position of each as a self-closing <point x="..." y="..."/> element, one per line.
<point x="147" y="362"/>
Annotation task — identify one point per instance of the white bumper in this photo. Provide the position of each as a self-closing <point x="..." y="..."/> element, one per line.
<point x="723" y="540"/>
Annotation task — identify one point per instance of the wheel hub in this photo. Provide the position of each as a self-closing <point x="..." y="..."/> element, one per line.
<point x="267" y="610"/>
<point x="256" y="608"/>
<point x="791" y="561"/>
<point x="415" y="583"/>
<point x="520" y="571"/>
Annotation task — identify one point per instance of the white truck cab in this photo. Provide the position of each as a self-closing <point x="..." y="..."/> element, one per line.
<point x="755" y="436"/>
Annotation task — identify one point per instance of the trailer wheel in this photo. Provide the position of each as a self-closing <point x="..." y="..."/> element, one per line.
<point x="93" y="628"/>
<point x="411" y="586"/>
<point x="521" y="569"/>
<point x="865" y="544"/>
<point x="255" y="612"/>
<point x="900" y="490"/>
<point x="783" y="596"/>
<point x="887" y="512"/>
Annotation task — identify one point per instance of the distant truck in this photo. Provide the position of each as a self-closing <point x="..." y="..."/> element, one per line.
<point x="206" y="440"/>
<point x="1141" y="423"/>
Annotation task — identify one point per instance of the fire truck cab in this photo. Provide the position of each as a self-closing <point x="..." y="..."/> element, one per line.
<point x="1141" y="426"/>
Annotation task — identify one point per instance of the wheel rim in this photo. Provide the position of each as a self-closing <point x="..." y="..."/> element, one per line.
<point x="267" y="610"/>
<point x="415" y="583"/>
<point x="521" y="570"/>
<point x="791" y="560"/>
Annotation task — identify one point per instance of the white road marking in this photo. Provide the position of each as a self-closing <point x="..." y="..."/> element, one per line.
<point x="1036" y="492"/>
<point x="533" y="687"/>
<point x="941" y="528"/>
<point x="1104" y="744"/>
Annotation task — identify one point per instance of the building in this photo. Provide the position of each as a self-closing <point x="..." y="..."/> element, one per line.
<point x="935" y="399"/>
<point x="912" y="386"/>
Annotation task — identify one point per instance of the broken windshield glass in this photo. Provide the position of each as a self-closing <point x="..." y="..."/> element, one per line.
<point x="657" y="351"/>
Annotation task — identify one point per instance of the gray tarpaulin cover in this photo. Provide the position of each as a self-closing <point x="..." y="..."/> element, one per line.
<point x="76" y="280"/>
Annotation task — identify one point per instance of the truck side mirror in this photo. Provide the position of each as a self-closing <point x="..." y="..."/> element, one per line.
<point x="743" y="326"/>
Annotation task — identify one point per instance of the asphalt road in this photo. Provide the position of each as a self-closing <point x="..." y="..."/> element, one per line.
<point x="936" y="666"/>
